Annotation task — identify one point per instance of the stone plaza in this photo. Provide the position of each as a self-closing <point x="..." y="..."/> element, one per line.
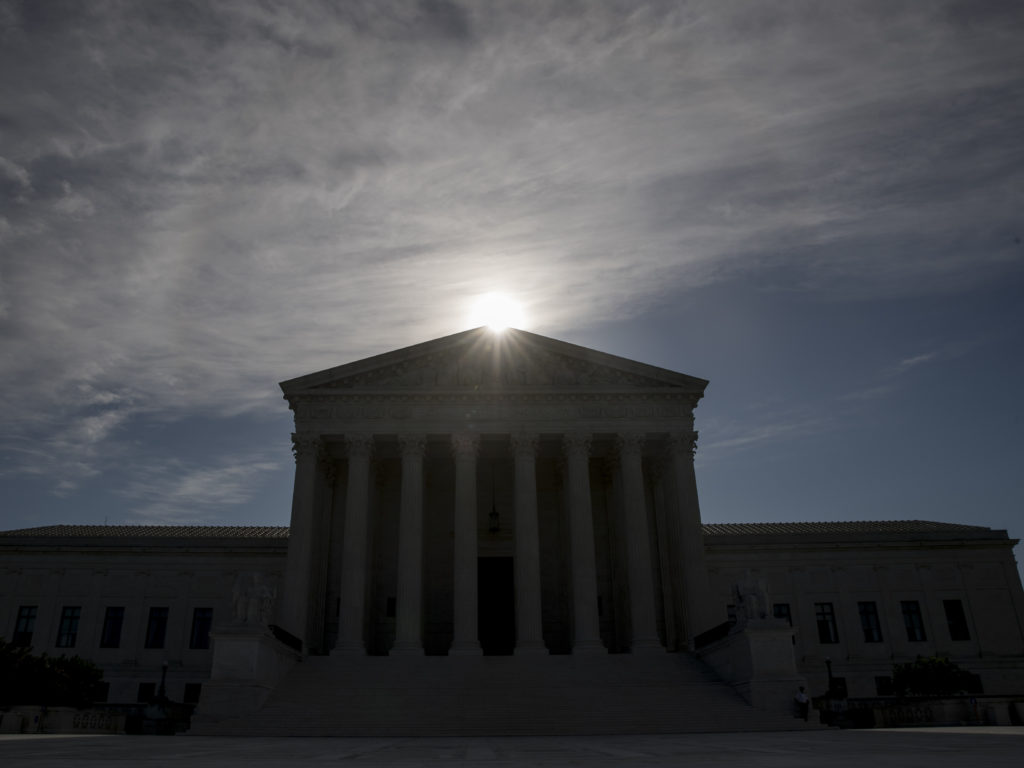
<point x="993" y="747"/>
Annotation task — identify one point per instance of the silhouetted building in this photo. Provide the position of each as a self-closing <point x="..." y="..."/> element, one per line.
<point x="487" y="497"/>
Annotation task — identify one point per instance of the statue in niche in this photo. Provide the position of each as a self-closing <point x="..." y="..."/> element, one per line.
<point x="752" y="603"/>
<point x="253" y="598"/>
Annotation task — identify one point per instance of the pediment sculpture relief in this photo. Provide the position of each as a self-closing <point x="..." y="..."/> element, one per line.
<point x="459" y="369"/>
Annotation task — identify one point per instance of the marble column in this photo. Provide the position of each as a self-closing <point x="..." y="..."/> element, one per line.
<point x="638" y="545"/>
<point x="686" y="510"/>
<point x="355" y="540"/>
<point x="319" y="555"/>
<point x="409" y="601"/>
<point x="586" y="623"/>
<point x="529" y="632"/>
<point x="293" y="613"/>
<point x="465" y="641"/>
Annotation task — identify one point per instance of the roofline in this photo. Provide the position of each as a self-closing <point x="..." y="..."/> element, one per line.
<point x="300" y="384"/>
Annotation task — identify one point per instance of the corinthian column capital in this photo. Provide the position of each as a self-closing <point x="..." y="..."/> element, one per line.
<point x="359" y="446"/>
<point x="629" y="443"/>
<point x="413" y="445"/>
<point x="305" y="446"/>
<point x="465" y="444"/>
<point x="683" y="442"/>
<point x="576" y="444"/>
<point x="524" y="444"/>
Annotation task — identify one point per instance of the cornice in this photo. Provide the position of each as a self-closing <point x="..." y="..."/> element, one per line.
<point x="485" y="397"/>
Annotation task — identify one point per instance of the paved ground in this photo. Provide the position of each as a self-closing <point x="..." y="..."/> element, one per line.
<point x="926" y="747"/>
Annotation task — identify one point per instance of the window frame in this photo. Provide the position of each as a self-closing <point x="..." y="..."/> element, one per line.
<point x="156" y="627"/>
<point x="24" y="626"/>
<point x="67" y="630"/>
<point x="913" y="621"/>
<point x="113" y="626"/>
<point x="825" y="618"/>
<point x="202" y="623"/>
<point x="870" y="621"/>
<point x="959" y="629"/>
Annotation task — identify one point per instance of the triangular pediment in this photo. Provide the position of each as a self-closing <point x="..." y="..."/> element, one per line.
<point x="479" y="359"/>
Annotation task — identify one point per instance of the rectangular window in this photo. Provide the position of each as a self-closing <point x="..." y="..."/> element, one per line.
<point x="202" y="620"/>
<point x="956" y="620"/>
<point x="113" y="620"/>
<point x="869" y="622"/>
<point x="825" y="616"/>
<point x="156" y="627"/>
<point x="912" y="620"/>
<point x="68" y="631"/>
<point x="147" y="692"/>
<point x="25" y="626"/>
<point x="781" y="611"/>
<point x="192" y="691"/>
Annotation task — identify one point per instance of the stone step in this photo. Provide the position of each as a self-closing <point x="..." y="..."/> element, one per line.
<point x="500" y="695"/>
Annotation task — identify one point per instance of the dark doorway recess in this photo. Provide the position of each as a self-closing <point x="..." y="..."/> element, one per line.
<point x="496" y="605"/>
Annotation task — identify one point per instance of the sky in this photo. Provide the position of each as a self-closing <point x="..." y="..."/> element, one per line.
<point x="816" y="206"/>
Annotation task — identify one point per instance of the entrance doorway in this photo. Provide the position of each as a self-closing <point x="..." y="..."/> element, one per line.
<point x="496" y="605"/>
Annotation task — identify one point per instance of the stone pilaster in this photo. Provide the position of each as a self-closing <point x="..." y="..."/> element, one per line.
<point x="352" y="591"/>
<point x="638" y="545"/>
<point x="586" y="624"/>
<point x="466" y="641"/>
<point x="409" y="604"/>
<point x="294" y="609"/>
<point x="529" y="631"/>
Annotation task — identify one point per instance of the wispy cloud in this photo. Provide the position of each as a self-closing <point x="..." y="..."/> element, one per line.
<point x="177" y="492"/>
<point x="777" y="428"/>
<point x="196" y="200"/>
<point x="887" y="381"/>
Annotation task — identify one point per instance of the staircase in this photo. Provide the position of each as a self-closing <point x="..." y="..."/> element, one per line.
<point x="500" y="695"/>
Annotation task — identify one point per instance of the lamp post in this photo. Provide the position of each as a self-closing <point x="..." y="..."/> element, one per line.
<point x="161" y="694"/>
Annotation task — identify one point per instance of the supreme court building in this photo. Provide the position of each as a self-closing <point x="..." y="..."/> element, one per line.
<point x="547" y="485"/>
<point x="500" y="533"/>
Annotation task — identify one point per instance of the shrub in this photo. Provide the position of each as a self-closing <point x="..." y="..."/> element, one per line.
<point x="44" y="680"/>
<point x="931" y="676"/>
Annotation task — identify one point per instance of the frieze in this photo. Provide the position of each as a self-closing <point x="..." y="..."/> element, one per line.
<point x="457" y="413"/>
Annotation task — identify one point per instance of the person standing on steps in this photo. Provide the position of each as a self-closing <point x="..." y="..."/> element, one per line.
<point x="803" y="703"/>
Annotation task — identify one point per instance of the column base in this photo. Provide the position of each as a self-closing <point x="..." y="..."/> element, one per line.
<point x="466" y="649"/>
<point x="406" y="649"/>
<point x="647" y="646"/>
<point x="588" y="648"/>
<point x="348" y="649"/>
<point x="530" y="649"/>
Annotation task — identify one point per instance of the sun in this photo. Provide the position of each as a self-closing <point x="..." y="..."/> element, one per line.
<point x="497" y="311"/>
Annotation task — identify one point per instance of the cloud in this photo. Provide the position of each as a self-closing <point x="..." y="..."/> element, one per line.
<point x="776" y="428"/>
<point x="178" y="492"/>
<point x="916" y="360"/>
<point x="204" y="199"/>
<point x="15" y="173"/>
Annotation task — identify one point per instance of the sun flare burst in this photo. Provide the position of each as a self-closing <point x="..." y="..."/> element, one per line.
<point x="497" y="311"/>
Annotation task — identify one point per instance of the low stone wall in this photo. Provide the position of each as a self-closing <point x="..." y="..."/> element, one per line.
<point x="951" y="710"/>
<point x="35" y="719"/>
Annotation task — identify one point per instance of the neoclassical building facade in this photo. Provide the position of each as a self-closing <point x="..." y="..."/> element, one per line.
<point x="548" y="485"/>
